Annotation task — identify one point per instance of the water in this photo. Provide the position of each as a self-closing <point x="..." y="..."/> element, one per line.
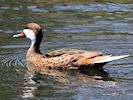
<point x="89" y="25"/>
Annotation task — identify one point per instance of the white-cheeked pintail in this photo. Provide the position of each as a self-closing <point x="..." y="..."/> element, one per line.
<point x="63" y="58"/>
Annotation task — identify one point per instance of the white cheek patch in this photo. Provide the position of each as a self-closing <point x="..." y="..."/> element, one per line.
<point x="29" y="34"/>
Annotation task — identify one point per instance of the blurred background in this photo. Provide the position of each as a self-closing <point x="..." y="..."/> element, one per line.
<point x="101" y="25"/>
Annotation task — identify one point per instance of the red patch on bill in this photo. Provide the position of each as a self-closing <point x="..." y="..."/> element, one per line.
<point x="22" y="34"/>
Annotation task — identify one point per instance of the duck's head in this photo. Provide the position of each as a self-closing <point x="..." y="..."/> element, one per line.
<point x="33" y="32"/>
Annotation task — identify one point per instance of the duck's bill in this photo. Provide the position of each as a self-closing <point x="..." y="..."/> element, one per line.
<point x="19" y="35"/>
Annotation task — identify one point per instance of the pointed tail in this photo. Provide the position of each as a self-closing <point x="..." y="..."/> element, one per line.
<point x="110" y="58"/>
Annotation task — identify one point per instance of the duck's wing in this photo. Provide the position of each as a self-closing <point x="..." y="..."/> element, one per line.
<point x="84" y="53"/>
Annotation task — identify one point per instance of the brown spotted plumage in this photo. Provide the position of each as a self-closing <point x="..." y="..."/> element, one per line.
<point x="63" y="58"/>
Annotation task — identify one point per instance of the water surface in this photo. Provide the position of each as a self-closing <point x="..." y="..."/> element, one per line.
<point x="104" y="25"/>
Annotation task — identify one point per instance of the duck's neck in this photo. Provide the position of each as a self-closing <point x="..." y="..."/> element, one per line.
<point x="32" y="51"/>
<point x="35" y="44"/>
<point x="34" y="48"/>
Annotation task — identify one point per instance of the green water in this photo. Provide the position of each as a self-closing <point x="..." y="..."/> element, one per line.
<point x="101" y="25"/>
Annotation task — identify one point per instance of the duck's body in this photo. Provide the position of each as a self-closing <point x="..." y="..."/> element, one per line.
<point x="63" y="58"/>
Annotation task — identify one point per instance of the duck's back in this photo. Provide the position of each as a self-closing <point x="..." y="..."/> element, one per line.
<point x="60" y="52"/>
<point x="69" y="58"/>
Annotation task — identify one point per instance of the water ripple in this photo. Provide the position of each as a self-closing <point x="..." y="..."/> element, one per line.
<point x="95" y="7"/>
<point x="12" y="60"/>
<point x="34" y="8"/>
<point x="99" y="26"/>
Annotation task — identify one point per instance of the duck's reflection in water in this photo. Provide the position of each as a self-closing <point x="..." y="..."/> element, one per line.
<point x="28" y="85"/>
<point x="33" y="82"/>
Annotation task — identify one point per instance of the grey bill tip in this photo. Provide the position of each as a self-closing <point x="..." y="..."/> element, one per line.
<point x="17" y="35"/>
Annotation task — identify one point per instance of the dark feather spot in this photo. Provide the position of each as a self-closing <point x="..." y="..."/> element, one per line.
<point x="49" y="67"/>
<point x="62" y="61"/>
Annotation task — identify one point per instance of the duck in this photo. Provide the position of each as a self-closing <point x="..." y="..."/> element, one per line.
<point x="62" y="58"/>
